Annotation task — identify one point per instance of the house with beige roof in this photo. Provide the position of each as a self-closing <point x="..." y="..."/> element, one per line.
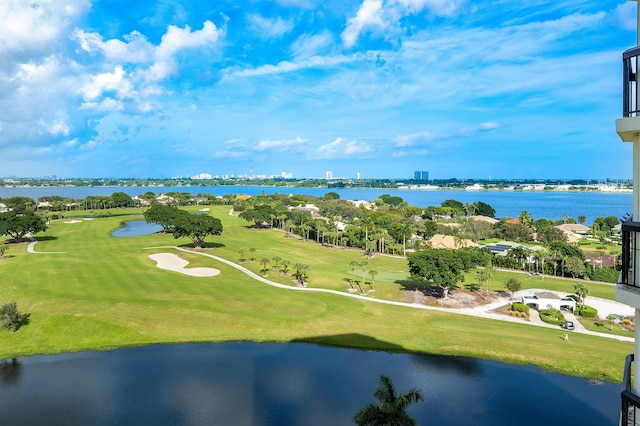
<point x="481" y="218"/>
<point x="574" y="228"/>
<point x="440" y="241"/>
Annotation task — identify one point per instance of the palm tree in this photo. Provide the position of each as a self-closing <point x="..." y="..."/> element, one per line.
<point x="277" y="260"/>
<point x="284" y="268"/>
<point x="354" y="264"/>
<point x="392" y="409"/>
<point x="350" y="282"/>
<point x="301" y="273"/>
<point x="363" y="265"/>
<point x="611" y="319"/>
<point x="264" y="262"/>
<point x="252" y="251"/>
<point x="582" y="291"/>
<point x="242" y="258"/>
<point x="373" y="274"/>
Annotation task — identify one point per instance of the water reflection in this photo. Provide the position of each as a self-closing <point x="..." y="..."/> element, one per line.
<point x="136" y="228"/>
<point x="287" y="384"/>
<point x="9" y="371"/>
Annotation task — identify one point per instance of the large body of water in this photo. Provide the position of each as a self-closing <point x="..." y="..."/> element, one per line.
<point x="540" y="204"/>
<point x="287" y="384"/>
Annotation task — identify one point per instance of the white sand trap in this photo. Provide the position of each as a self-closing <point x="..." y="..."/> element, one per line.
<point x="72" y="221"/>
<point x="88" y="218"/>
<point x="204" y="210"/>
<point x="175" y="263"/>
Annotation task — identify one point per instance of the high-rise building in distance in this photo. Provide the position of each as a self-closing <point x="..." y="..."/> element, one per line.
<point x="421" y="175"/>
<point x="328" y="175"/>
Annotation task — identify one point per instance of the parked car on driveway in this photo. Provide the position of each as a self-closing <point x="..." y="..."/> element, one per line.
<point x="568" y="325"/>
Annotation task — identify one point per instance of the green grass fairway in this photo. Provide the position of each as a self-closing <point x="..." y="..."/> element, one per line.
<point x="105" y="292"/>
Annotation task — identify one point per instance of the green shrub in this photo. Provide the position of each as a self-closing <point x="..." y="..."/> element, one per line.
<point x="587" y="311"/>
<point x="552" y="316"/>
<point x="608" y="275"/>
<point x="472" y="287"/>
<point x="520" y="307"/>
<point x="11" y="319"/>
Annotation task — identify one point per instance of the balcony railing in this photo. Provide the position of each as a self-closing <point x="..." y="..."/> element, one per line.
<point x="630" y="401"/>
<point x="630" y="60"/>
<point x="630" y="245"/>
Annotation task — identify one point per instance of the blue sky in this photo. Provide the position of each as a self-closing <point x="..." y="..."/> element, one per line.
<point x="465" y="89"/>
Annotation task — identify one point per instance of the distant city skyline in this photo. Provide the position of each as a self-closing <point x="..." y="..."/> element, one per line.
<point x="377" y="88"/>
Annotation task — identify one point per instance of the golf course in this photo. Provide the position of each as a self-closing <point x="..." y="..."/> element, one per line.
<point x="87" y="290"/>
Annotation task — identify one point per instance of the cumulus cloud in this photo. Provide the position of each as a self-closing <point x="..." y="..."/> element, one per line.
<point x="59" y="128"/>
<point x="269" y="28"/>
<point x="177" y="39"/>
<point x="34" y="26"/>
<point x="115" y="82"/>
<point x="135" y="49"/>
<point x="342" y="148"/>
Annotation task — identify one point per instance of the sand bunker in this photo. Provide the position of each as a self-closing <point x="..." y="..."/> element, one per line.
<point x="204" y="210"/>
<point x="72" y="221"/>
<point x="175" y="263"/>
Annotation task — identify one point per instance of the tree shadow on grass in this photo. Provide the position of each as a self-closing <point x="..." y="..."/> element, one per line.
<point x="351" y="340"/>
<point x="206" y="246"/>
<point x="45" y="238"/>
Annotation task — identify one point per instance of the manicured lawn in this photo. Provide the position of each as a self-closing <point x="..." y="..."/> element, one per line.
<point x="500" y="277"/>
<point x="105" y="292"/>
<point x="604" y="327"/>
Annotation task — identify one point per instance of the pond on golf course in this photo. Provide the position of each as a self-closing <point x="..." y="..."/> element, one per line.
<point x="245" y="383"/>
<point x="136" y="228"/>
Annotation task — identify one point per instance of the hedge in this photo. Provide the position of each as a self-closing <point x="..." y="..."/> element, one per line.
<point x="552" y="316"/>
<point x="520" y="307"/>
<point x="587" y="311"/>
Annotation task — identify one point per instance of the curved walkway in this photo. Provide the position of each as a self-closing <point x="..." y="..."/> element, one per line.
<point x="31" y="248"/>
<point x="482" y="312"/>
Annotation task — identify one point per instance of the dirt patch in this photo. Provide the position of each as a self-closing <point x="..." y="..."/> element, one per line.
<point x="461" y="299"/>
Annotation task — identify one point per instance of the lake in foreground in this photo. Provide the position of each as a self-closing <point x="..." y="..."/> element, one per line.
<point x="286" y="384"/>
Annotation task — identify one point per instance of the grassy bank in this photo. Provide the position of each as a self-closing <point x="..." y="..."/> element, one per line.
<point x="105" y="292"/>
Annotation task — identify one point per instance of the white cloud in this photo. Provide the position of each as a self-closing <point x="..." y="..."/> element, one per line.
<point x="626" y="14"/>
<point x="489" y="125"/>
<point x="414" y="139"/>
<point x="369" y="14"/>
<point x="280" y="145"/>
<point x="230" y="154"/>
<point x="59" y="128"/>
<point x="303" y="4"/>
<point x="269" y="28"/>
<point x="288" y="66"/>
<point x="106" y="105"/>
<point x="342" y="148"/>
<point x="311" y="45"/>
<point x="437" y="7"/>
<point x="135" y="49"/>
<point x="115" y="82"/>
<point x="177" y="39"/>
<point x="386" y="18"/>
<point x="29" y="26"/>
